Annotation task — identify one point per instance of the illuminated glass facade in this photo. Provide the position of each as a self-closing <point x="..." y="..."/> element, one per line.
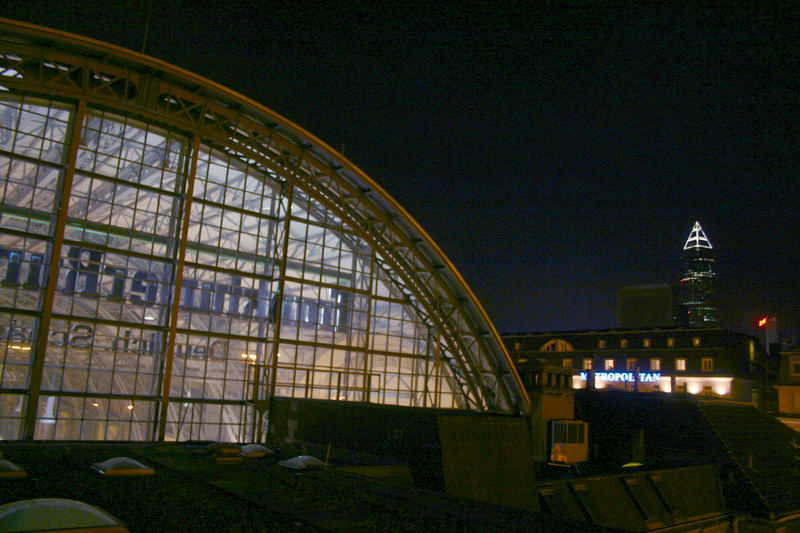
<point x="697" y="285"/>
<point x="173" y="255"/>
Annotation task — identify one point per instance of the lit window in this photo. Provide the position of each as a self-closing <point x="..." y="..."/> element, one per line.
<point x="566" y="362"/>
<point x="796" y="400"/>
<point x="695" y="341"/>
<point x="655" y="364"/>
<point x="680" y="364"/>
<point x="670" y="342"/>
<point x="587" y="364"/>
<point x="609" y="364"/>
<point x="707" y="364"/>
<point x="517" y="346"/>
<point x="623" y="343"/>
<point x="601" y="343"/>
<point x="630" y="364"/>
<point x="646" y="343"/>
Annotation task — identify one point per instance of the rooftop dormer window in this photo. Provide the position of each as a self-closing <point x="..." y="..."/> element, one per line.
<point x="557" y="345"/>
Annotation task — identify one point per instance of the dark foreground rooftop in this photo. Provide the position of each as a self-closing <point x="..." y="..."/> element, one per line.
<point x="191" y="491"/>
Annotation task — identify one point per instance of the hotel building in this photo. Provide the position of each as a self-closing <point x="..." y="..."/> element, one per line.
<point x="709" y="362"/>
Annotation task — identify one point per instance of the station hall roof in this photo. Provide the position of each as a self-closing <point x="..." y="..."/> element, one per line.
<point x="36" y="60"/>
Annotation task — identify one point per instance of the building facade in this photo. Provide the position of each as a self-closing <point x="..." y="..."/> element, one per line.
<point x="788" y="387"/>
<point x="710" y="362"/>
<point x="173" y="255"/>
<point x="696" y="289"/>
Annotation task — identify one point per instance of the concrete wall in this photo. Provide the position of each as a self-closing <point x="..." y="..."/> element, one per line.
<point x="488" y="459"/>
<point x="478" y="456"/>
<point x="399" y="434"/>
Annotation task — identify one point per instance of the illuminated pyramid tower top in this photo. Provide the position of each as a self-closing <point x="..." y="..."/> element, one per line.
<point x="697" y="238"/>
<point x="697" y="286"/>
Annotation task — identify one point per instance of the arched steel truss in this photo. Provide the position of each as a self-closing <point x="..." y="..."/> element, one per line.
<point x="35" y="60"/>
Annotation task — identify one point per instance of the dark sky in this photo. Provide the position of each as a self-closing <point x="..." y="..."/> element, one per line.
<point x="554" y="154"/>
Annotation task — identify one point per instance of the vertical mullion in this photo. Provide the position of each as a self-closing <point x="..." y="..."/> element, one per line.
<point x="280" y="294"/>
<point x="425" y="390"/>
<point x="367" y="336"/>
<point x="161" y="427"/>
<point x="52" y="280"/>
<point x="438" y="368"/>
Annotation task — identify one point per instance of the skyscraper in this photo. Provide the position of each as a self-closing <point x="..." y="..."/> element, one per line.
<point x="696" y="305"/>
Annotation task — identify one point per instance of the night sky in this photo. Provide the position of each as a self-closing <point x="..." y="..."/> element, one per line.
<point x="553" y="154"/>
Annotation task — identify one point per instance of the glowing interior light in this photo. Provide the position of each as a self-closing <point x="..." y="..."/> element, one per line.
<point x="577" y="383"/>
<point x="102" y="77"/>
<point x="250" y="356"/>
<point x="720" y="386"/>
<point x="23" y="348"/>
<point x="10" y="72"/>
<point x="95" y="404"/>
<point x="130" y="407"/>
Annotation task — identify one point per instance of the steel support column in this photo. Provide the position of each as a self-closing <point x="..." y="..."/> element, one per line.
<point x="279" y="300"/>
<point x="176" y="295"/>
<point x="52" y="277"/>
<point x="367" y="338"/>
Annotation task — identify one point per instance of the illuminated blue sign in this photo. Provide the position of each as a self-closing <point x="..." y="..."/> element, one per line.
<point x="642" y="377"/>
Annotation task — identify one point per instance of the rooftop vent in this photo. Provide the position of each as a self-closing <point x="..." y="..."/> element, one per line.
<point x="224" y="452"/>
<point x="255" y="451"/>
<point x="302" y="462"/>
<point x="9" y="470"/>
<point x="122" y="466"/>
<point x="57" y="514"/>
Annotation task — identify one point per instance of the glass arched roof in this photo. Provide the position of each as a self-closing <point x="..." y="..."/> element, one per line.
<point x="234" y="234"/>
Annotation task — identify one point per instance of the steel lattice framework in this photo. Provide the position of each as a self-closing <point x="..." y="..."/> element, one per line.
<point x="210" y="255"/>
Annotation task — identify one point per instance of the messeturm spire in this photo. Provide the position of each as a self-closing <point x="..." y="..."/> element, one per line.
<point x="696" y="300"/>
<point x="697" y="238"/>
